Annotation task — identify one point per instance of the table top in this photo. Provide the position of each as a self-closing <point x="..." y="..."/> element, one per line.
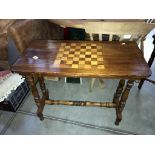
<point x="83" y="59"/>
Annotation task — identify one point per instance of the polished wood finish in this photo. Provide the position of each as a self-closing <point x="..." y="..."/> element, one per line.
<point x="121" y="61"/>
<point x="150" y="62"/>
<point x="43" y="87"/>
<point x="81" y="103"/>
<point x="122" y="101"/>
<point x="118" y="92"/>
<point x="116" y="100"/>
<point x="39" y="102"/>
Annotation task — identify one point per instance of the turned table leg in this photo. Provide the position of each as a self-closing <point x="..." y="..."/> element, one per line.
<point x="118" y="91"/>
<point x="122" y="101"/>
<point x="117" y="95"/>
<point x="38" y="101"/>
<point x="43" y="87"/>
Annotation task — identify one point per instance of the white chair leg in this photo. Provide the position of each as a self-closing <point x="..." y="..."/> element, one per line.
<point x="92" y="84"/>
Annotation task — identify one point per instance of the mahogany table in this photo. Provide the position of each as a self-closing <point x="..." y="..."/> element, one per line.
<point x="93" y="59"/>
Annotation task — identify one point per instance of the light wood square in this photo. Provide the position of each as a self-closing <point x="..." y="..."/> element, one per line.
<point x="82" y="56"/>
<point x="99" y="59"/>
<point x="77" y="52"/>
<point x="88" y="47"/>
<point x="59" y="55"/>
<point x="67" y="47"/>
<point x="69" y="62"/>
<point x="74" y="65"/>
<point x="66" y="52"/>
<point x="75" y="59"/>
<point x="93" y="45"/>
<point x="64" y="58"/>
<point x="81" y="62"/>
<point x="88" y="53"/>
<point x="57" y="61"/>
<point x="72" y="49"/>
<point x="94" y="56"/>
<point x="87" y="59"/>
<point x="93" y="62"/>
<point x="71" y="55"/>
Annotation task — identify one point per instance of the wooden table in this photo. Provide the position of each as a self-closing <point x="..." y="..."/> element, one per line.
<point x="111" y="60"/>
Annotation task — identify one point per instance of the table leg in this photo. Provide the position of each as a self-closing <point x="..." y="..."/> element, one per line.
<point x="122" y="101"/>
<point x="43" y="87"/>
<point x="118" y="91"/>
<point x="38" y="101"/>
<point x="117" y="95"/>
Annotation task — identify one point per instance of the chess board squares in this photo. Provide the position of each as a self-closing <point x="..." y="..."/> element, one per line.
<point x="70" y="55"/>
<point x="87" y="56"/>
<point x="59" y="55"/>
<point x="82" y="56"/>
<point x="77" y="47"/>
<point x="82" y="50"/>
<point x="100" y="59"/>
<point x="67" y="47"/>
<point x="73" y="44"/>
<point x="57" y="61"/>
<point x="94" y="50"/>
<point x="88" y="47"/>
<point x="63" y="62"/>
<point x="88" y="62"/>
<point x="77" y="52"/>
<point x="72" y="50"/>
<point x="88" y="53"/>
<point x="75" y="59"/>
<point x="93" y="47"/>
<point x="69" y="62"/>
<point x="93" y="56"/>
<point x="66" y="52"/>
<point x="93" y="62"/>
<point x="81" y="62"/>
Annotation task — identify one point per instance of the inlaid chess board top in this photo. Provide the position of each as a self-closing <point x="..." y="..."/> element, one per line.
<point x="76" y="55"/>
<point x="83" y="59"/>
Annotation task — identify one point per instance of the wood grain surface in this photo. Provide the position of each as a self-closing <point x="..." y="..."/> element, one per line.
<point x="120" y="60"/>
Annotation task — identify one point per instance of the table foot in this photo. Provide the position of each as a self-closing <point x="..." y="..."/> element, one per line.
<point x="117" y="122"/>
<point x="41" y="117"/>
<point x="118" y="118"/>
